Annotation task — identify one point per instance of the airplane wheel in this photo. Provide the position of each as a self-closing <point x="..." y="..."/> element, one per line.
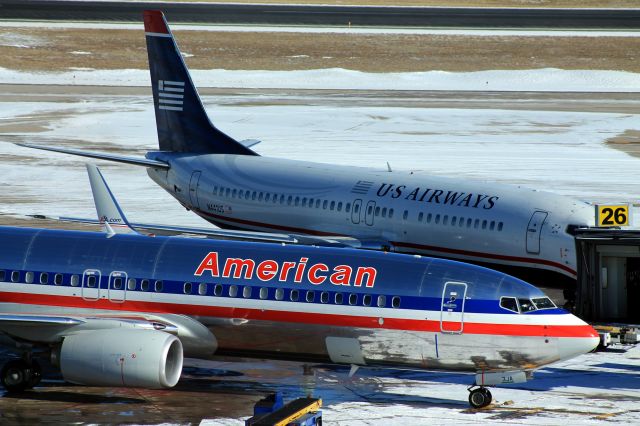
<point x="15" y="375"/>
<point x="480" y="398"/>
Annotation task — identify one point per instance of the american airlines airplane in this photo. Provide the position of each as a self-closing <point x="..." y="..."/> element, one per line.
<point x="525" y="232"/>
<point x="122" y="309"/>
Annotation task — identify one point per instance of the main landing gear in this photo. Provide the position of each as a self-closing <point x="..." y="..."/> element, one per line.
<point x="18" y="375"/>
<point x="479" y="397"/>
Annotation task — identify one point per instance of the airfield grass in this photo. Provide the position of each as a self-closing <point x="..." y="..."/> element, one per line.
<point x="53" y="49"/>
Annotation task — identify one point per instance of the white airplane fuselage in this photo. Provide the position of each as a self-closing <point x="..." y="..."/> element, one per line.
<point x="482" y="222"/>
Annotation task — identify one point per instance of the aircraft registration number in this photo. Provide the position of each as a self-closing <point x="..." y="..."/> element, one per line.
<point x="218" y="208"/>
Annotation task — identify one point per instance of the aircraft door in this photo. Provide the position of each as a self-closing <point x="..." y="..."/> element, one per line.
<point x="370" y="212"/>
<point x="534" y="229"/>
<point x="355" y="211"/>
<point x="91" y="281"/>
<point x="193" y="188"/>
<point x="452" y="308"/>
<point x="117" y="286"/>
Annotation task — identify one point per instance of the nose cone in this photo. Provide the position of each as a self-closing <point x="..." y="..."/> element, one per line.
<point x="585" y="340"/>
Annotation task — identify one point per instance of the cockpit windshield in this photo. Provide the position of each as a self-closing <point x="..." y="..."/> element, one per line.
<point x="522" y="305"/>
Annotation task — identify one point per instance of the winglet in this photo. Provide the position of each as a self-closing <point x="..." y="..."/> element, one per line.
<point x="109" y="213"/>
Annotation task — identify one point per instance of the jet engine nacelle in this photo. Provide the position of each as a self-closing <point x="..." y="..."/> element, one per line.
<point x="121" y="357"/>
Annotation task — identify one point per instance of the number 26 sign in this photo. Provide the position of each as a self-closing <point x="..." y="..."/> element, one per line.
<point x="613" y="215"/>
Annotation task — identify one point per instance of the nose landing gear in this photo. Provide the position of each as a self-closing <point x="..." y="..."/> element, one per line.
<point x="479" y="397"/>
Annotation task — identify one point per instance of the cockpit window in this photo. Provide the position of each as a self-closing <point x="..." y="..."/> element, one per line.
<point x="526" y="305"/>
<point x="509" y="303"/>
<point x="543" y="303"/>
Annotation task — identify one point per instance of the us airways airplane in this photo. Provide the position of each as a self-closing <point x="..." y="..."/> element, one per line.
<point x="523" y="231"/>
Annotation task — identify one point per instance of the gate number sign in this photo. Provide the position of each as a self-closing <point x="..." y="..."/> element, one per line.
<point x="613" y="215"/>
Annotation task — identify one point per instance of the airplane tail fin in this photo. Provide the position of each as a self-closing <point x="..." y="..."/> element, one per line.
<point x="181" y="120"/>
<point x="110" y="214"/>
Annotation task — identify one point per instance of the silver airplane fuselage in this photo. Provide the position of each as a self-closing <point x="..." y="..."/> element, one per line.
<point x="482" y="222"/>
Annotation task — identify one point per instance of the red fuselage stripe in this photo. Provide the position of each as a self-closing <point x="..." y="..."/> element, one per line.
<point x="336" y="320"/>
<point x="477" y="254"/>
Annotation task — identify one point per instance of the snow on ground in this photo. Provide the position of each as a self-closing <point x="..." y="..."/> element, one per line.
<point x="537" y="80"/>
<point x="530" y="148"/>
<point x="596" y="388"/>
<point x="346" y="29"/>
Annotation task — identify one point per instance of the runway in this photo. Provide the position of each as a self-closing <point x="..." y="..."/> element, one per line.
<point x="392" y="16"/>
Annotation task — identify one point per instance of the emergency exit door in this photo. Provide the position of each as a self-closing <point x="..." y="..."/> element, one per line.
<point x="534" y="229"/>
<point x="452" y="308"/>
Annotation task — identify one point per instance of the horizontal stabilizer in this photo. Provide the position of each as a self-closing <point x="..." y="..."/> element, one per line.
<point x="109" y="157"/>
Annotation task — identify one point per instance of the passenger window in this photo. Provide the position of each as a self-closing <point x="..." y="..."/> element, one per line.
<point x="333" y="205"/>
<point x="260" y="196"/>
<point x="91" y="281"/>
<point x="382" y="301"/>
<point x="395" y="302"/>
<point x="429" y="216"/>
<point x="366" y="300"/>
<point x="28" y="277"/>
<point x="144" y="285"/>
<point x="240" y="193"/>
<point x="324" y="297"/>
<point x="158" y="286"/>
<point x="543" y="303"/>
<point x="202" y="289"/>
<point x="246" y="292"/>
<point x="117" y="283"/>
<point x="484" y="224"/>
<point x="57" y="279"/>
<point x="369" y="210"/>
<point x="282" y="199"/>
<point x="311" y="202"/>
<point x="253" y="195"/>
<point x="247" y="195"/>
<point x="233" y="291"/>
<point x="453" y="221"/>
<point x="3" y="275"/>
<point x="526" y="305"/>
<point x="267" y="197"/>
<point x="476" y="223"/>
<point x="264" y="293"/>
<point x="279" y="294"/>
<point x="44" y="278"/>
<point x="405" y="215"/>
<point x="437" y="221"/>
<point x="469" y="222"/>
<point x="390" y="213"/>
<point x="324" y="204"/>
<point x="233" y="193"/>
<point x="289" y="200"/>
<point x="304" y="202"/>
<point x="356" y="208"/>
<point x="384" y="212"/>
<point x="15" y="276"/>
<point x="353" y="299"/>
<point x="377" y="211"/>
<point x="317" y="204"/>
<point x="217" y="290"/>
<point x="492" y="226"/>
<point x="339" y="207"/>
<point x="339" y="298"/>
<point x="297" y="201"/>
<point x="499" y="226"/>
<point x="445" y="219"/>
<point x="187" y="288"/>
<point x="75" y="280"/>
<point x="420" y="216"/>
<point x="293" y="296"/>
<point x="131" y="285"/>
<point x="310" y="296"/>
<point x="509" y="303"/>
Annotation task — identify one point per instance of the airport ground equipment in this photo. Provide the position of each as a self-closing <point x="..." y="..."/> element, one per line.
<point x="271" y="410"/>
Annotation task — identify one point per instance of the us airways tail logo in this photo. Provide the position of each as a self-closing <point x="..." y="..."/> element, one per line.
<point x="170" y="95"/>
<point x="300" y="271"/>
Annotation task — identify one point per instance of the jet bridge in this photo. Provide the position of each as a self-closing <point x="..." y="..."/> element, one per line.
<point x="608" y="286"/>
